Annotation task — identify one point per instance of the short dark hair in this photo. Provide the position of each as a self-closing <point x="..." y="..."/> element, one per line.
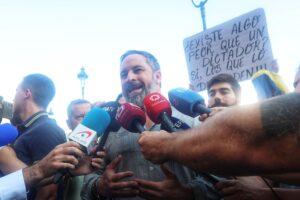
<point x="42" y="88"/>
<point x="225" y="78"/>
<point x="149" y="57"/>
<point x="75" y="102"/>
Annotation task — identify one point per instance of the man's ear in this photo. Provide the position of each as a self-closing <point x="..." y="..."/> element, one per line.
<point x="157" y="76"/>
<point x="27" y="93"/>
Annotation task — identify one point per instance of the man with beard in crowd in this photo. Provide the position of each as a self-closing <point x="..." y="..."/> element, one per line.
<point x="127" y="174"/>
<point x="38" y="133"/>
<point x="225" y="91"/>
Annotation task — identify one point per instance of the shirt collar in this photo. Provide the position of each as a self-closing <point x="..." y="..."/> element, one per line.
<point x="32" y="119"/>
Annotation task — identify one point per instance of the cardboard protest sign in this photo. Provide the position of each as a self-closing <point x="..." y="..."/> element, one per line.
<point x="239" y="47"/>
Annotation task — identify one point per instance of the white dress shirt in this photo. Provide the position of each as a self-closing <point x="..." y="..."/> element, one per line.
<point x="12" y="186"/>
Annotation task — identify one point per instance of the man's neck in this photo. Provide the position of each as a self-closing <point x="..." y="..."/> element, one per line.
<point x="30" y="109"/>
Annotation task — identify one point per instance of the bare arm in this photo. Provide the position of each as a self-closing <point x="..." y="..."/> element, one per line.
<point x="8" y="161"/>
<point x="251" y="139"/>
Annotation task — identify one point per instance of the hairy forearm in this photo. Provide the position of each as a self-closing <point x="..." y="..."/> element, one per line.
<point x="211" y="145"/>
<point x="245" y="139"/>
<point x="32" y="176"/>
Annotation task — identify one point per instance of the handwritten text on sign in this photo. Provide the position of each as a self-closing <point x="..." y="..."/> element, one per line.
<point x="239" y="47"/>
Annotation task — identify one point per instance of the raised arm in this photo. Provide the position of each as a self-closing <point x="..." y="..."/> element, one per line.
<point x="257" y="138"/>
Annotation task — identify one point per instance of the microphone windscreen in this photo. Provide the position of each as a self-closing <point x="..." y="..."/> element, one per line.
<point x="128" y="113"/>
<point x="8" y="134"/>
<point x="111" y="108"/>
<point x="184" y="100"/>
<point x="155" y="104"/>
<point x="268" y="84"/>
<point x="97" y="120"/>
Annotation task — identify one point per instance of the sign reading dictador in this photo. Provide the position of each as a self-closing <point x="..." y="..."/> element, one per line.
<point x="239" y="47"/>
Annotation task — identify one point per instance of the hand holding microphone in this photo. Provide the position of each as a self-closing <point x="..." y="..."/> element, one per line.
<point x="159" y="110"/>
<point x="87" y="132"/>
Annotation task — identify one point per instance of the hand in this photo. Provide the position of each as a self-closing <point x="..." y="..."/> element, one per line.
<point x="154" y="145"/>
<point x="170" y="188"/>
<point x="236" y="190"/>
<point x="63" y="156"/>
<point x="214" y="110"/>
<point x="88" y="164"/>
<point x="111" y="184"/>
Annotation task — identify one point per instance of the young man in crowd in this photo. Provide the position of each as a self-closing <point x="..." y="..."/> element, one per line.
<point x="38" y="133"/>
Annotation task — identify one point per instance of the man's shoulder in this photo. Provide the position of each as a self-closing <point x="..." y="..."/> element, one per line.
<point x="48" y="125"/>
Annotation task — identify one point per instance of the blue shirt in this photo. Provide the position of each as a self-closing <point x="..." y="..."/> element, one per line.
<point x="38" y="136"/>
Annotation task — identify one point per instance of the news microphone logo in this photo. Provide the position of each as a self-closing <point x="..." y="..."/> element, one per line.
<point x="154" y="97"/>
<point x="84" y="136"/>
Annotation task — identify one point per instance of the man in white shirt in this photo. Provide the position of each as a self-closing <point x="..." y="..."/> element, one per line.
<point x="64" y="156"/>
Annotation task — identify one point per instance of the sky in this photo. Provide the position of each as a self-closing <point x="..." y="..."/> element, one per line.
<point x="58" y="37"/>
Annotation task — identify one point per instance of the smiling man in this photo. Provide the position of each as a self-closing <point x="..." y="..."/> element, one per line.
<point x="127" y="174"/>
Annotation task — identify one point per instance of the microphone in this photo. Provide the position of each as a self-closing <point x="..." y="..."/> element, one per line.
<point x="268" y="84"/>
<point x="6" y="109"/>
<point x="159" y="110"/>
<point x="131" y="117"/>
<point x="92" y="126"/>
<point x="8" y="134"/>
<point x="111" y="108"/>
<point x="188" y="102"/>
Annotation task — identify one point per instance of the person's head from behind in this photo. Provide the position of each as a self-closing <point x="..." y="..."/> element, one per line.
<point x="140" y="75"/>
<point x="76" y="111"/>
<point x="223" y="90"/>
<point x="34" y="93"/>
<point x="297" y="81"/>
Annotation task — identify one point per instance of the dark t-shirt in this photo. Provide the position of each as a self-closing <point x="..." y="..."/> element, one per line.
<point x="38" y="136"/>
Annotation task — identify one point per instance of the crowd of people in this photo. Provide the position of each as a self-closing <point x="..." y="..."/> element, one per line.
<point x="250" y="151"/>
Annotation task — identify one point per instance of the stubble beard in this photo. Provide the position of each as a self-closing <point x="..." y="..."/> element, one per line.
<point x="139" y="99"/>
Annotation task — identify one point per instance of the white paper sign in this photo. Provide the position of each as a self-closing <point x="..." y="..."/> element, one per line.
<point x="239" y="47"/>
